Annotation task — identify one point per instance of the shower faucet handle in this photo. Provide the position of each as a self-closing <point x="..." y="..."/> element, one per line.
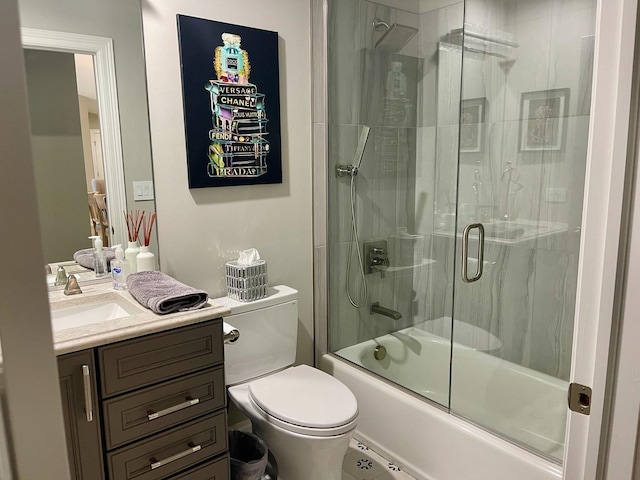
<point x="376" y="257"/>
<point x="379" y="262"/>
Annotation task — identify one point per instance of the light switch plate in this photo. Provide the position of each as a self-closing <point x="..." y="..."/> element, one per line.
<point x="142" y="191"/>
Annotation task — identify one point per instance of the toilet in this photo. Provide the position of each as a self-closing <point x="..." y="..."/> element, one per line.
<point x="305" y="416"/>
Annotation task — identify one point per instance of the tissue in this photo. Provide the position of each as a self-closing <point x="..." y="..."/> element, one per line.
<point x="249" y="256"/>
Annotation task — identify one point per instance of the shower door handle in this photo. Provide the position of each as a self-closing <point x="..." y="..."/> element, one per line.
<point x="465" y="252"/>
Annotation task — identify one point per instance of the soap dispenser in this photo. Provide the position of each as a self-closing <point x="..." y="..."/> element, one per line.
<point x="119" y="269"/>
<point x="99" y="257"/>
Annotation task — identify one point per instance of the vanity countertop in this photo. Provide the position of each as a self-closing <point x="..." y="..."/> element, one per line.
<point x="140" y="321"/>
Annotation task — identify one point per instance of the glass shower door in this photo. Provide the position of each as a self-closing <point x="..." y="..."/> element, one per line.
<point x="390" y="236"/>
<point x="524" y="125"/>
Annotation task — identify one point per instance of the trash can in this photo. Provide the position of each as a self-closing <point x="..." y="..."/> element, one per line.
<point x="249" y="456"/>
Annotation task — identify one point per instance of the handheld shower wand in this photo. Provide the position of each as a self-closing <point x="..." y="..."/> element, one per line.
<point x="352" y="171"/>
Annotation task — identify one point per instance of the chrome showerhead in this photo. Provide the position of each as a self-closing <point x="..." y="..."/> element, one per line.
<point x="395" y="37"/>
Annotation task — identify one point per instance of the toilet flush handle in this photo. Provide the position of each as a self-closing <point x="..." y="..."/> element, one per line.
<point x="230" y="334"/>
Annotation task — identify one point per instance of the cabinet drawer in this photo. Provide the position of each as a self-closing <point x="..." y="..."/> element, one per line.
<point x="170" y="452"/>
<point x="217" y="470"/>
<point x="147" y="360"/>
<point x="132" y="416"/>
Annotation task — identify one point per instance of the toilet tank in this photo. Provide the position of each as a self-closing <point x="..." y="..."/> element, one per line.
<point x="268" y="335"/>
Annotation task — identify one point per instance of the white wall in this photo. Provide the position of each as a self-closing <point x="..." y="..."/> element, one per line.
<point x="30" y="389"/>
<point x="199" y="230"/>
<point x="58" y="158"/>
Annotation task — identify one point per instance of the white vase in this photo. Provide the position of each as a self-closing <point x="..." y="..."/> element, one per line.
<point x="146" y="260"/>
<point x="130" y="254"/>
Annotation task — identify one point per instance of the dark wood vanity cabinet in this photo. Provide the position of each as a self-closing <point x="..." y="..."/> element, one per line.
<point x="77" y="375"/>
<point x="162" y="406"/>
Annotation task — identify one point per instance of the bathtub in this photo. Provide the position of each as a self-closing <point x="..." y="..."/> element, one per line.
<point x="430" y="443"/>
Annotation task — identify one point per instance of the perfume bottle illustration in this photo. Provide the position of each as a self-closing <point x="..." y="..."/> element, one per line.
<point x="238" y="147"/>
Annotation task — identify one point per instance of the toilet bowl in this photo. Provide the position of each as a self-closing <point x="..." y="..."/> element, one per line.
<point x="305" y="416"/>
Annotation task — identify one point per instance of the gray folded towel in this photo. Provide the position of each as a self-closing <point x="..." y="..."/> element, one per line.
<point x="84" y="257"/>
<point x="163" y="294"/>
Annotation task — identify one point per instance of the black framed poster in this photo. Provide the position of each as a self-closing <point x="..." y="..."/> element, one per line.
<point x="230" y="88"/>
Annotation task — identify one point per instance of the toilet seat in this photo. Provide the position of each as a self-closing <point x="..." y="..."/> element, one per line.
<point x="305" y="400"/>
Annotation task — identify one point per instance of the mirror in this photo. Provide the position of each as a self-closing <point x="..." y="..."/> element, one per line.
<point x="111" y="33"/>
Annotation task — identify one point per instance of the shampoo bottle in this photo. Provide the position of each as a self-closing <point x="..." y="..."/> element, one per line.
<point x="119" y="269"/>
<point x="99" y="258"/>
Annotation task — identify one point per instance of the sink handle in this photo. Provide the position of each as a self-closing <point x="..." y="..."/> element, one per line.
<point x="72" y="287"/>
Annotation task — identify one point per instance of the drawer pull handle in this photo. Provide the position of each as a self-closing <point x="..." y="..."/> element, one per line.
<point x="160" y="463"/>
<point x="86" y="380"/>
<point x="190" y="401"/>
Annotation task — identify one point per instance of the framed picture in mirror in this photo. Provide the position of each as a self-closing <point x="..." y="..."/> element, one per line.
<point x="543" y="120"/>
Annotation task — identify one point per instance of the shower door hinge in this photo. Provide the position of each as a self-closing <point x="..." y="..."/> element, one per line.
<point x="580" y="398"/>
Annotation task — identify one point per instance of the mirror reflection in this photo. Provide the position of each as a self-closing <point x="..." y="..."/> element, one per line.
<point x="87" y="173"/>
<point x="68" y="168"/>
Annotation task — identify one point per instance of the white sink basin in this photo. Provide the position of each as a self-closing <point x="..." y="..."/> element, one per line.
<point x="100" y="310"/>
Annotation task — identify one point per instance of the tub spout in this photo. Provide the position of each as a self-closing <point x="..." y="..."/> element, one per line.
<point x="387" y="312"/>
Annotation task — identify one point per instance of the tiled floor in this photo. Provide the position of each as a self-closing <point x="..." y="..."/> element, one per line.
<point x="361" y="463"/>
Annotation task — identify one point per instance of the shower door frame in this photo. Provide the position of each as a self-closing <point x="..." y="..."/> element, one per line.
<point x="601" y="218"/>
<point x="601" y="226"/>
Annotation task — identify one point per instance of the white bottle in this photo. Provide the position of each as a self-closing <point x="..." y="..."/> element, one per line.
<point x="130" y="254"/>
<point x="119" y="269"/>
<point x="99" y="258"/>
<point x="146" y="260"/>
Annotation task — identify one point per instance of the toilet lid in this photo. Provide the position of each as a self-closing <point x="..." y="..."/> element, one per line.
<point x="305" y="396"/>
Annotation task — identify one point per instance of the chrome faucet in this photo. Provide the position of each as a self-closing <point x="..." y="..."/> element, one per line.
<point x="72" y="287"/>
<point x="512" y="177"/>
<point x="61" y="277"/>
<point x="387" y="312"/>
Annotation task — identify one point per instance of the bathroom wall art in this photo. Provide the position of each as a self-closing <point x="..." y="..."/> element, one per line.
<point x="230" y="86"/>
<point x="543" y="120"/>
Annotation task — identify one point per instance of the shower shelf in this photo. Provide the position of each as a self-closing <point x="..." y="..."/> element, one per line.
<point x="425" y="262"/>
<point x="515" y="232"/>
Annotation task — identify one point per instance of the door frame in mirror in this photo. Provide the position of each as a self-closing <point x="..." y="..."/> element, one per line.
<point x="101" y="48"/>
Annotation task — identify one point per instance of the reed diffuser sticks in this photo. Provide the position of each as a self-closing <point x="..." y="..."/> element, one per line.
<point x="147" y="227"/>
<point x="134" y="221"/>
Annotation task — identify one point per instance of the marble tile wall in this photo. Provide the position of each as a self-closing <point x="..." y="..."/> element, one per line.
<point x="527" y="294"/>
<point x="410" y="177"/>
<point x="385" y="186"/>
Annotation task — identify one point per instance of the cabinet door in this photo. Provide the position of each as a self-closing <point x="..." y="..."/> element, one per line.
<point x="80" y="409"/>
